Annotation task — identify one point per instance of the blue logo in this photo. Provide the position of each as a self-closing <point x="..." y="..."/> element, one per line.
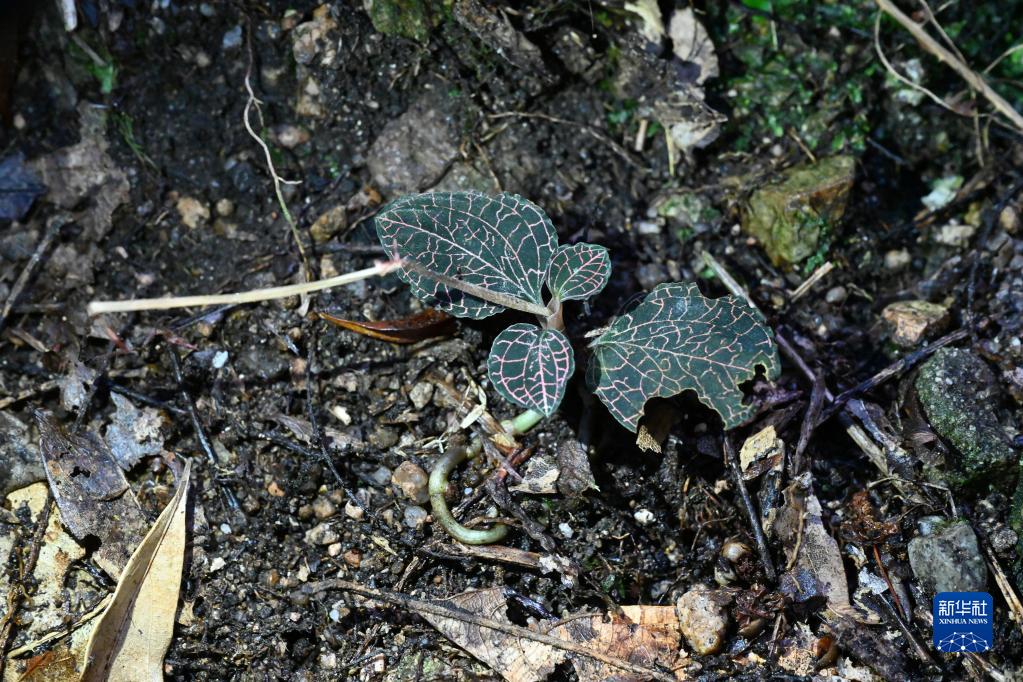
<point x="963" y="621"/>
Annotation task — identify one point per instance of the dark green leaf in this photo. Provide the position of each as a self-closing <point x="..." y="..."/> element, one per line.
<point x="503" y="244"/>
<point x="579" y="271"/>
<point x="677" y="340"/>
<point x="531" y="366"/>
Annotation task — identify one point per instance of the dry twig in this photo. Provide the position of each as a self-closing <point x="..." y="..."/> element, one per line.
<point x="972" y="78"/>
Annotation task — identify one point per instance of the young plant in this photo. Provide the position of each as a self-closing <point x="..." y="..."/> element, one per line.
<point x="475" y="255"/>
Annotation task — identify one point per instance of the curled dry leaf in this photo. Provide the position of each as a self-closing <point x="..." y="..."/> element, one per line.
<point x="131" y="637"/>
<point x="640" y="636"/>
<point x="428" y="324"/>
<point x="690" y="43"/>
<point x="91" y="491"/>
<point x="539" y="477"/>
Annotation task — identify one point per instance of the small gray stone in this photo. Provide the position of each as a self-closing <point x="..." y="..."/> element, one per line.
<point x="421" y="394"/>
<point x="836" y="295"/>
<point x="232" y="39"/>
<point x="322" y="534"/>
<point x="323" y="508"/>
<point x="1003" y="538"/>
<point x="383" y="437"/>
<point x="415" y="516"/>
<point x="949" y="559"/>
<point x="702" y="619"/>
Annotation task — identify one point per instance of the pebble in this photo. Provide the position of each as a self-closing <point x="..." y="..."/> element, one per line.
<point x="290" y="136"/>
<point x="1003" y="539"/>
<point x="955" y="234"/>
<point x="949" y="559"/>
<point x="412" y="481"/>
<point x="232" y="39"/>
<point x="321" y="534"/>
<point x="897" y="259"/>
<point x="643" y="517"/>
<point x="383" y="437"/>
<point x="415" y="516"/>
<point x="421" y="394"/>
<point x="224" y="207"/>
<point x="217" y="564"/>
<point x="353" y="558"/>
<point x="193" y="212"/>
<point x="702" y="619"/>
<point x="836" y="295"/>
<point x="354" y="511"/>
<point x="323" y="508"/>
<point x="910" y="322"/>
<point x="380" y="476"/>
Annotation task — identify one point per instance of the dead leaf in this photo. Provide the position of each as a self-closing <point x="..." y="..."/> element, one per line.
<point x="133" y="433"/>
<point x="652" y="26"/>
<point x="428" y="324"/>
<point x="74" y="386"/>
<point x="576" y="477"/>
<point x="690" y="43"/>
<point x="539" y="477"/>
<point x="133" y="634"/>
<point x="809" y="547"/>
<point x="761" y="452"/>
<point x="91" y="492"/>
<point x="85" y="170"/>
<point x="646" y="636"/>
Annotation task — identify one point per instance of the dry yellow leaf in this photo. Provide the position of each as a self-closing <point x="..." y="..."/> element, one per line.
<point x="132" y="636"/>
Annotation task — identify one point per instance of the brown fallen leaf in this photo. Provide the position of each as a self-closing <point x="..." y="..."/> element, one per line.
<point x="641" y="636"/>
<point x="91" y="491"/>
<point x="132" y="636"/>
<point x="428" y="324"/>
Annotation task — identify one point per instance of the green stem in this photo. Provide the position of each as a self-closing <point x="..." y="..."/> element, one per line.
<point x="439" y="484"/>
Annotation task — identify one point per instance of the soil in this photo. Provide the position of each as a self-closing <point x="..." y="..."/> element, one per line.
<point x="656" y="526"/>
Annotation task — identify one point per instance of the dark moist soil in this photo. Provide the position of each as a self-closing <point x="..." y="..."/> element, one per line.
<point x="182" y="90"/>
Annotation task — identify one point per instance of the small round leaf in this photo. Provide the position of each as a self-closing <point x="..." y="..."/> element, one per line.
<point x="531" y="366"/>
<point x="579" y="271"/>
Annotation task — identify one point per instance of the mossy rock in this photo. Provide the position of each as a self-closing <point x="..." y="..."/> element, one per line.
<point x="410" y="19"/>
<point x="957" y="391"/>
<point x="792" y="216"/>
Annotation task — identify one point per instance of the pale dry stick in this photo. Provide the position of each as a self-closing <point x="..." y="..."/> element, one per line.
<point x="972" y="78"/>
<point x="1011" y="598"/>
<point x="442" y="611"/>
<point x="811" y="281"/>
<point x="253" y="296"/>
<point x="898" y="76"/>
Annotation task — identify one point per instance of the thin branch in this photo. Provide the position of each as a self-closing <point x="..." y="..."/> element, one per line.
<point x="253" y="296"/>
<point x="751" y="511"/>
<point x="972" y="78"/>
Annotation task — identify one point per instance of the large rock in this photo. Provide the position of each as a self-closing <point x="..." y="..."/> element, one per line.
<point x="791" y="217"/>
<point x="414" y="150"/>
<point x="957" y="392"/>
<point x="948" y="559"/>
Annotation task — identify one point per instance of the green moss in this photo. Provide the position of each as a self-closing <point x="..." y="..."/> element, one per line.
<point x="955" y="389"/>
<point x="794" y="218"/>
<point x="406" y="18"/>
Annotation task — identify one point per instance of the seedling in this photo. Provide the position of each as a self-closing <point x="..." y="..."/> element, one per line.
<point x="475" y="255"/>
